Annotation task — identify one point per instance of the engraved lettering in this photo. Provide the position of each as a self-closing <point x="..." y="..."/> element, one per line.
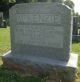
<point x="38" y="18"/>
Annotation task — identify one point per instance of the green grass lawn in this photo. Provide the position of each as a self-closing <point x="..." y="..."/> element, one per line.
<point x="76" y="49"/>
<point x="5" y="46"/>
<point x="4" y="40"/>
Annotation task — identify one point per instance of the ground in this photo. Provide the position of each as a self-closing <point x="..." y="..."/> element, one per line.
<point x="10" y="76"/>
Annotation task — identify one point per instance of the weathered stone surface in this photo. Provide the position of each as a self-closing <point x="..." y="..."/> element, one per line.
<point x="41" y="29"/>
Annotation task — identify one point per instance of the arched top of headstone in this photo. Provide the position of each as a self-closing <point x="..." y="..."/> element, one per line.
<point x="41" y="7"/>
<point x="41" y="29"/>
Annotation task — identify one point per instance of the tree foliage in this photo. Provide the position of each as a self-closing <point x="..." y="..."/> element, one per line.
<point x="60" y="1"/>
<point x="7" y="1"/>
<point x="69" y="3"/>
<point x="12" y="1"/>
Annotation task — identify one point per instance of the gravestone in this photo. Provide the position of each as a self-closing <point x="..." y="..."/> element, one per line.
<point x="41" y="37"/>
<point x="1" y="19"/>
<point x="76" y="37"/>
<point x="75" y="25"/>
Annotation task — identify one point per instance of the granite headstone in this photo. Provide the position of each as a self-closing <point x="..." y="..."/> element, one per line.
<point x="75" y="25"/>
<point x="1" y="19"/>
<point x="41" y="34"/>
<point x="75" y="37"/>
<point x="39" y="31"/>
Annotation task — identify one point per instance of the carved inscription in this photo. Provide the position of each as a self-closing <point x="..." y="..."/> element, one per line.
<point x="38" y="18"/>
<point x="50" y="36"/>
<point x="39" y="30"/>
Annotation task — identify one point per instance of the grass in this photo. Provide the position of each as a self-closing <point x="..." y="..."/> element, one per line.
<point x="4" y="40"/>
<point x="76" y="49"/>
<point x="5" y="46"/>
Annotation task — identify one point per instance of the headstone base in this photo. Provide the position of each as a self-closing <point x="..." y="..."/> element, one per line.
<point x="54" y="70"/>
<point x="76" y="38"/>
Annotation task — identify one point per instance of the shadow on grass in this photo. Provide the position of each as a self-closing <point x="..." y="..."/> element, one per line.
<point x="75" y="41"/>
<point x="7" y="75"/>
